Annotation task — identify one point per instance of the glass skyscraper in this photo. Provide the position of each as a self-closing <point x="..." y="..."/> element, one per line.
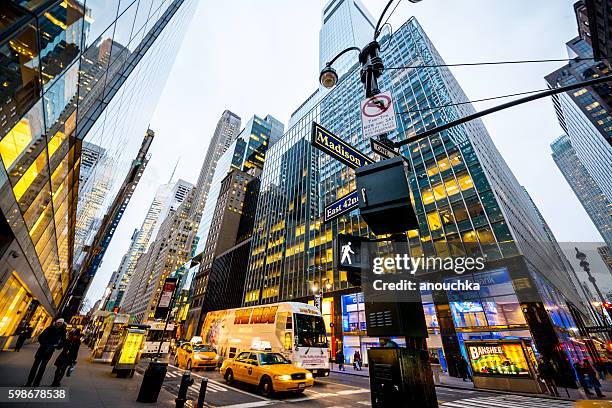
<point x="586" y="114"/>
<point x="466" y="198"/>
<point x="594" y="201"/>
<point x="71" y="71"/>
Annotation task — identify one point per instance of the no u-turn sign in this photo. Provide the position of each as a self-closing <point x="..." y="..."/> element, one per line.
<point x="378" y="115"/>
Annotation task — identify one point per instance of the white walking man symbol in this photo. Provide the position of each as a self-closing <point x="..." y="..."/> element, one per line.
<point x="346" y="254"/>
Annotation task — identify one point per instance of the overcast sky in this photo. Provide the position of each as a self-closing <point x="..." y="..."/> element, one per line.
<point x="260" y="57"/>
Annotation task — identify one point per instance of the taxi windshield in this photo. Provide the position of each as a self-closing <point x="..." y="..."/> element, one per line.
<point x="201" y="348"/>
<point x="272" y="358"/>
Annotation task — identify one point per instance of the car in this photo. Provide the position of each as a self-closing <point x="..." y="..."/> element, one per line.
<point x="194" y="356"/>
<point x="269" y="371"/>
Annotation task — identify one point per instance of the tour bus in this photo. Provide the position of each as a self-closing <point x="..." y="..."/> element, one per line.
<point x="155" y="335"/>
<point x="295" y="330"/>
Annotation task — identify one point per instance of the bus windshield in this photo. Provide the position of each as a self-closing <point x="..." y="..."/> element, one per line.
<point x="310" y="331"/>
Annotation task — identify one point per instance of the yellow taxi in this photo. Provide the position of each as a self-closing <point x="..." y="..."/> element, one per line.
<point x="271" y="372"/>
<point x="593" y="404"/>
<point x="194" y="356"/>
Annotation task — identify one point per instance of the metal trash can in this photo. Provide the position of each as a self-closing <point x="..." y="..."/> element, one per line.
<point x="152" y="381"/>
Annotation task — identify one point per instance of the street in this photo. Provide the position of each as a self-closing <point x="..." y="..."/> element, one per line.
<point x="93" y="385"/>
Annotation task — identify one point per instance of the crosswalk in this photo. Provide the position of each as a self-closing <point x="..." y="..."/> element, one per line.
<point x="212" y="386"/>
<point x="507" y="401"/>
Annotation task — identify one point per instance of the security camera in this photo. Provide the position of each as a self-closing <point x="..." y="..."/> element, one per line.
<point x="14" y="254"/>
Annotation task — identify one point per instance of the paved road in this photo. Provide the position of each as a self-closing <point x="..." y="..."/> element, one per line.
<point x="339" y="390"/>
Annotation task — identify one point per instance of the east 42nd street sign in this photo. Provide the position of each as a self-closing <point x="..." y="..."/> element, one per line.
<point x="345" y="204"/>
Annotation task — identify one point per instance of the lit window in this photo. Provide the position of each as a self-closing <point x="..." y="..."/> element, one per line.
<point x="434" y="221"/>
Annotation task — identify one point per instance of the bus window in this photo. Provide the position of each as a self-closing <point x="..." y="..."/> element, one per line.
<point x="289" y="324"/>
<point x="288" y="342"/>
<point x="310" y="331"/>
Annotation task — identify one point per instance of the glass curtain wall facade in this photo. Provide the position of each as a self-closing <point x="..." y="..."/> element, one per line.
<point x="71" y="71"/>
<point x="466" y="198"/>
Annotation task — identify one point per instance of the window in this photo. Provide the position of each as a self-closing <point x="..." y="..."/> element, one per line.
<point x="434" y="221"/>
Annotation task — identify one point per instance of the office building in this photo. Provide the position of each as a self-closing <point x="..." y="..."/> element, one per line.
<point x="606" y="256"/>
<point x="226" y="131"/>
<point x="595" y="202"/>
<point x="45" y="47"/>
<point x="466" y="198"/>
<point x="585" y="115"/>
<point x="167" y="199"/>
<point x="91" y="155"/>
<point x="593" y="18"/>
<point x="246" y="153"/>
<point x="236" y="173"/>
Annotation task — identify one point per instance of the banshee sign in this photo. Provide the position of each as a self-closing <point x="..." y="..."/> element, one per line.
<point x="337" y="148"/>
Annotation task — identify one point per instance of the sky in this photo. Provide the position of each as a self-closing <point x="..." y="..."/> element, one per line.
<point x="261" y="57"/>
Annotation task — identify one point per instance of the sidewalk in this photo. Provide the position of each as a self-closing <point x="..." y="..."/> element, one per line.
<point x="91" y="385"/>
<point x="453" y="382"/>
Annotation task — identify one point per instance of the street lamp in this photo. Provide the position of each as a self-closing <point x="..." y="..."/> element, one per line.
<point x="372" y="65"/>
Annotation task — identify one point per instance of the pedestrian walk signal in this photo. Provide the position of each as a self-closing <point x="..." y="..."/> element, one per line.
<point x="348" y="257"/>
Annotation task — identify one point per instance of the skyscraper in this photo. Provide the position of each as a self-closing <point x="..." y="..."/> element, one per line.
<point x="585" y="114"/>
<point x="167" y="199"/>
<point x="91" y="155"/>
<point x="466" y="198"/>
<point x="592" y="198"/>
<point x="45" y="51"/>
<point x="226" y="131"/>
<point x="240" y="164"/>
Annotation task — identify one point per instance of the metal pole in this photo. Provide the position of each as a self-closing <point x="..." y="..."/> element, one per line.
<point x="161" y="341"/>
<point x="186" y="382"/>
<point x="202" y="394"/>
<point x="507" y="105"/>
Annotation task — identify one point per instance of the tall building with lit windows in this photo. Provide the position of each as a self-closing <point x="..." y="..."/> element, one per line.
<point x="72" y="72"/>
<point x="586" y="114"/>
<point x="467" y="201"/>
<point x="594" y="201"/>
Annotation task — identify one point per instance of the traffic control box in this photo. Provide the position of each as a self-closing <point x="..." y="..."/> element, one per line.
<point x="384" y="197"/>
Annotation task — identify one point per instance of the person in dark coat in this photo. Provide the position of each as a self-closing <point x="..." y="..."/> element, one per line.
<point x="67" y="357"/>
<point x="581" y="373"/>
<point x="357" y="360"/>
<point x="24" y="334"/>
<point x="547" y="373"/>
<point x="340" y="360"/>
<point x="50" y="339"/>
<point x="592" y="377"/>
<point x="464" y="370"/>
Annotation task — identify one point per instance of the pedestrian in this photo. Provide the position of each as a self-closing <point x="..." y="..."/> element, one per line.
<point x="51" y="338"/>
<point x="547" y="373"/>
<point x="340" y="360"/>
<point x="436" y="368"/>
<point x="357" y="360"/>
<point x="24" y="334"/>
<point x="464" y="370"/>
<point x="67" y="357"/>
<point x="592" y="377"/>
<point x="581" y="374"/>
<point x="608" y="365"/>
<point x="601" y="369"/>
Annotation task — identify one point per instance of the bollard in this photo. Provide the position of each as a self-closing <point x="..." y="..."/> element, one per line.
<point x="202" y="394"/>
<point x="186" y="382"/>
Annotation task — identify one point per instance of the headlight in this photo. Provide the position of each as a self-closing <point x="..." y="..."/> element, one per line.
<point x="285" y="377"/>
<point x="308" y="376"/>
<point x="217" y="357"/>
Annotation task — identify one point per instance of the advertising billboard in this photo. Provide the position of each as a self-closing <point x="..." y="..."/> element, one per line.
<point x="498" y="358"/>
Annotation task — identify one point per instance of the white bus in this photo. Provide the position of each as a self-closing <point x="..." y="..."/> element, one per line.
<point x="296" y="330"/>
<point x="156" y="335"/>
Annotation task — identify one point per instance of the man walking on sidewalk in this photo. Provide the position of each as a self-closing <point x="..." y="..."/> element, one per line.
<point x="51" y="338"/>
<point x="67" y="357"/>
